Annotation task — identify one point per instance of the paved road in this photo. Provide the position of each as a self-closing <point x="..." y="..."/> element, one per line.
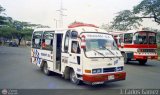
<point x="16" y="71"/>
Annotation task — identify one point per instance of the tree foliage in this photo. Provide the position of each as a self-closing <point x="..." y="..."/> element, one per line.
<point x="1" y="9"/>
<point x="126" y="20"/>
<point x="130" y="19"/>
<point x="149" y="9"/>
<point x="15" y="29"/>
<point x="2" y="18"/>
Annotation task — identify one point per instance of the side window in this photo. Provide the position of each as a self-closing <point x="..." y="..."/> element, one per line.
<point x="128" y="38"/>
<point x="75" y="47"/>
<point x="152" y="38"/>
<point x="47" y="41"/>
<point x="66" y="41"/>
<point x="36" y="40"/>
<point x="121" y="38"/>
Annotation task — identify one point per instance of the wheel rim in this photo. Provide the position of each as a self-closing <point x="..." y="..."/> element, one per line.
<point x="73" y="77"/>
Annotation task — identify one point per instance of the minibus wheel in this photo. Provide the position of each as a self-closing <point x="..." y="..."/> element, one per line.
<point x="73" y="78"/>
<point x="45" y="69"/>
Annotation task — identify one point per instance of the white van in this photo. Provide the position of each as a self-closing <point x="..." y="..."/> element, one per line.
<point x="87" y="54"/>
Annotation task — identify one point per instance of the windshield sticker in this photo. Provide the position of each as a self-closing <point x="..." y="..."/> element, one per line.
<point x="99" y="36"/>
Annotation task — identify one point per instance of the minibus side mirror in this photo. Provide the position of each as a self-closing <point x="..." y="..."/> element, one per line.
<point x="74" y="34"/>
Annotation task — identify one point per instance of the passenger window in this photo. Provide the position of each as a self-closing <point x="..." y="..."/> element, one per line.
<point x="75" y="47"/>
<point x="47" y="42"/>
<point x="66" y="41"/>
<point x="36" y="41"/>
<point x="152" y="38"/>
<point x="128" y="38"/>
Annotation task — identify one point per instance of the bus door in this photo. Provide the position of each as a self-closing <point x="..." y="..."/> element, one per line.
<point x="58" y="47"/>
<point x="65" y="50"/>
<point x="75" y="53"/>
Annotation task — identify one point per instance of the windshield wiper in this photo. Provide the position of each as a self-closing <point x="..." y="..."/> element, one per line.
<point x="108" y="50"/>
<point x="99" y="52"/>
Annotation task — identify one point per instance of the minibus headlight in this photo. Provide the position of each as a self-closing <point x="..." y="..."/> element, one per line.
<point x="94" y="71"/>
<point x="119" y="68"/>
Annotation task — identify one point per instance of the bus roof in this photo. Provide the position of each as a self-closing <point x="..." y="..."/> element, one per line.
<point x="129" y="31"/>
<point x="44" y="29"/>
<point x="50" y="29"/>
<point x="88" y="29"/>
<point x="78" y="29"/>
<point x="134" y="31"/>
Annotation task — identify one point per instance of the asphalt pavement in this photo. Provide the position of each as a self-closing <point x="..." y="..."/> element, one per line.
<point x="16" y="71"/>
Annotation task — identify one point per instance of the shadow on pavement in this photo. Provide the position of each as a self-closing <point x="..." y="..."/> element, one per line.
<point x="136" y="63"/>
<point x="55" y="76"/>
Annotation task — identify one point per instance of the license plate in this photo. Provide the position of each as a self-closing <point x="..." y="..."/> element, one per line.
<point x="94" y="83"/>
<point x="149" y="57"/>
<point x="111" y="77"/>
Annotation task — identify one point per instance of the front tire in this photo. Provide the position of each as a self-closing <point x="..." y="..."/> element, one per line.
<point x="73" y="78"/>
<point x="45" y="69"/>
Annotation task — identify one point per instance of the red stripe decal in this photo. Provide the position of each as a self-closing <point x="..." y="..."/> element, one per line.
<point x="139" y="46"/>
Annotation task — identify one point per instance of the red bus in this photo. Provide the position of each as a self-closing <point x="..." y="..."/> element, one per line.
<point x="137" y="45"/>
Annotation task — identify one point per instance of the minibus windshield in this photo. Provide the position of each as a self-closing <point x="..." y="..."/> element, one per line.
<point x="100" y="44"/>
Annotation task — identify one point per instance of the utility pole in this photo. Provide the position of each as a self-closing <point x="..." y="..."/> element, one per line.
<point x="56" y="22"/>
<point x="61" y="14"/>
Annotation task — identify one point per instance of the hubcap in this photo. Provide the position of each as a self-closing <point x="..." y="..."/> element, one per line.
<point x="73" y="77"/>
<point x="45" y="68"/>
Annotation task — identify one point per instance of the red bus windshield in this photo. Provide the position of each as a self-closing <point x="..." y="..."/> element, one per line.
<point x="145" y="38"/>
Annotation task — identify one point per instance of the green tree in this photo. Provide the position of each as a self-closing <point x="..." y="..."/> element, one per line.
<point x="21" y="30"/>
<point x="2" y="18"/>
<point x="130" y="19"/>
<point x="7" y="33"/>
<point x="149" y="9"/>
<point x="1" y="9"/>
<point x="126" y="20"/>
<point x="15" y="29"/>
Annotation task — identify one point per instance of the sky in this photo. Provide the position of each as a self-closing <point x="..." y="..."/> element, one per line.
<point x="45" y="12"/>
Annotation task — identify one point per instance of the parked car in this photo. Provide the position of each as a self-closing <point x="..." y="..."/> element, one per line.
<point x="13" y="44"/>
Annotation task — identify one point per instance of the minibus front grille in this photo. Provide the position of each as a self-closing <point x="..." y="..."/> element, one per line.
<point x="105" y="70"/>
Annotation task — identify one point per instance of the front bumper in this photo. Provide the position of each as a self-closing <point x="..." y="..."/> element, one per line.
<point x="143" y="57"/>
<point x="105" y="77"/>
